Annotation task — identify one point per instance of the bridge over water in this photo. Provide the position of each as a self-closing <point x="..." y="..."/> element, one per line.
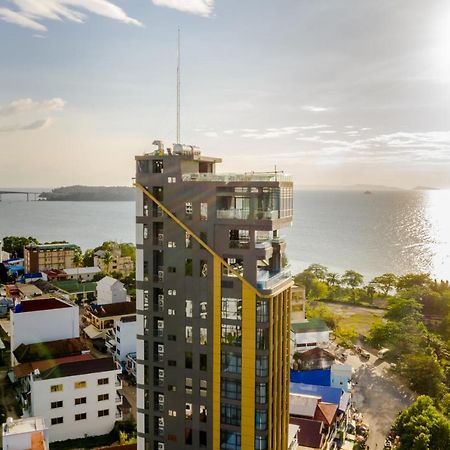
<point x="31" y="196"/>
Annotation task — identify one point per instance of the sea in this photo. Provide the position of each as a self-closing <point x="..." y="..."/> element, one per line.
<point x="385" y="231"/>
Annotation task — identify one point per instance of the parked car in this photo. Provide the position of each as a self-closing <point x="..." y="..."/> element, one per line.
<point x="365" y="354"/>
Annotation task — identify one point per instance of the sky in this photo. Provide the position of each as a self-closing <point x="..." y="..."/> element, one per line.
<point x="334" y="92"/>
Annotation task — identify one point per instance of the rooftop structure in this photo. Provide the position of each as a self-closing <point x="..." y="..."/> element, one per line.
<point x="29" y="433"/>
<point x="40" y="257"/>
<point x="213" y="303"/>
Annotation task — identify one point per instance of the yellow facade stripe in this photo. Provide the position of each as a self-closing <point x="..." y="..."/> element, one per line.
<point x="217" y="299"/>
<point x="200" y="241"/>
<point x="248" y="368"/>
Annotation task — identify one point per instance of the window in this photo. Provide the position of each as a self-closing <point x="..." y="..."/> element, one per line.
<point x="203" y="268"/>
<point x="172" y="413"/>
<point x="204" y="237"/>
<point x="56" y="388"/>
<point x="262" y="366"/>
<point x="172" y="388"/>
<point x="202" y="438"/>
<point x="102" y="397"/>
<point x="203" y="211"/>
<point x="188" y="210"/>
<point x="188" y="240"/>
<point x="188" y="385"/>
<point x="172" y="363"/>
<point x="57" y="420"/>
<point x="231" y="389"/>
<point x="188" y="436"/>
<point x="80" y="401"/>
<point x="261" y="420"/>
<point x="203" y="336"/>
<point x="103" y="381"/>
<point x="171" y="312"/>
<point x="171" y="337"/>
<point x="188" y="409"/>
<point x="188" y="334"/>
<point x="203" y="310"/>
<point x="188" y="267"/>
<point x="171" y="244"/>
<point x="262" y="338"/>
<point x="188" y="308"/>
<point x="157" y="166"/>
<point x="231" y="362"/>
<point x="54" y="405"/>
<point x="230" y="414"/>
<point x="171" y="269"/>
<point x="188" y="360"/>
<point x="103" y="412"/>
<point x="262" y="311"/>
<point x="172" y="292"/>
<point x="81" y="416"/>
<point x="260" y="443"/>
<point x="231" y="308"/>
<point x="203" y="416"/>
<point x="230" y="440"/>
<point x="203" y="388"/>
<point x="203" y="362"/>
<point x="231" y="335"/>
<point x="261" y="393"/>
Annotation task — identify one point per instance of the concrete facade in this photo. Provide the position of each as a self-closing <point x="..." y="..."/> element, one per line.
<point x="213" y="305"/>
<point x="110" y="290"/>
<point x="121" y="340"/>
<point x="39" y="257"/>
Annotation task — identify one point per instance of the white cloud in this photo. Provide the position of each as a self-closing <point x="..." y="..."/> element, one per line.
<point x="327" y="132"/>
<point x="315" y="109"/>
<point x="27" y="104"/>
<point x="211" y="134"/>
<point x="30" y="13"/>
<point x="200" y="7"/>
<point x="271" y="133"/>
<point x="315" y="126"/>
<point x="35" y="125"/>
<point x="229" y="132"/>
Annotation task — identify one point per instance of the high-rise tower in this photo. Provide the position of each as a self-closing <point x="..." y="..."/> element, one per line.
<point x="213" y="304"/>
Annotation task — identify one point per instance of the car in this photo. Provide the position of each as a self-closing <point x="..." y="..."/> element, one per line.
<point x="365" y="354"/>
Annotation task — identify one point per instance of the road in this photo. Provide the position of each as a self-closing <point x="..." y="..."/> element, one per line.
<point x="379" y="396"/>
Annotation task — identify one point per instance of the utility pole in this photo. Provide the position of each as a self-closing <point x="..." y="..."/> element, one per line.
<point x="178" y="86"/>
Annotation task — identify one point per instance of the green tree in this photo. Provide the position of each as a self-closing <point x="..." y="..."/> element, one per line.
<point x="77" y="258"/>
<point x="422" y="427"/>
<point x="345" y="336"/>
<point x="15" y="244"/>
<point x="352" y="279"/>
<point x="88" y="258"/>
<point x="319" y="271"/>
<point x="318" y="290"/>
<point x="424" y="374"/>
<point x="333" y="279"/>
<point x="107" y="259"/>
<point x="385" y="283"/>
<point x="411" y="280"/>
<point x="306" y="279"/>
<point x="402" y="308"/>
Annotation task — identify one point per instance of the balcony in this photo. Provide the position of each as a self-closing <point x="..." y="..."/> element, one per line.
<point x="118" y="399"/>
<point x="119" y="415"/>
<point x="247" y="214"/>
<point x="266" y="280"/>
<point x="118" y="383"/>
<point x="238" y="177"/>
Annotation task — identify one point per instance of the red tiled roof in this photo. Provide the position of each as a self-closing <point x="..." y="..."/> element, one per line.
<point x="22" y="370"/>
<point x="309" y="434"/>
<point x="326" y="412"/>
<point x="113" y="309"/>
<point x="42" y="304"/>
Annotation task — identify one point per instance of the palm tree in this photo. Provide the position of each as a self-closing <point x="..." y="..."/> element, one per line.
<point x="333" y="279"/>
<point x="107" y="259"/>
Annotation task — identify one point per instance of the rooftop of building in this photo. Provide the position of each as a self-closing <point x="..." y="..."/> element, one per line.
<point x="54" y="246"/>
<point x="303" y="405"/>
<point x="82" y="270"/>
<point x="113" y="309"/>
<point x="320" y="377"/>
<point x="29" y="290"/>
<point x="326" y="412"/>
<point x="128" y="319"/>
<point x="327" y="394"/>
<point x="24" y="425"/>
<point x="24" y="369"/>
<point x="311" y="325"/>
<point x="315" y="358"/>
<point x="74" y="286"/>
<point x="108" y="282"/>
<point x="310" y="433"/>
<point x="49" y="350"/>
<point x="82" y="367"/>
<point x="44" y="304"/>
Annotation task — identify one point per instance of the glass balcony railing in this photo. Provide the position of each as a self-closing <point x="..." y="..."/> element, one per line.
<point x="267" y="280"/>
<point x="247" y="214"/>
<point x="239" y="177"/>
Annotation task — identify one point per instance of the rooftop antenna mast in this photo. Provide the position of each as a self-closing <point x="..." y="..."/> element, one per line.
<point x="178" y="85"/>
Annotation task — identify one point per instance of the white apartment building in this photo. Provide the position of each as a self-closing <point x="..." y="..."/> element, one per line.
<point x="76" y="399"/>
<point x="81" y="273"/>
<point x="43" y="320"/>
<point x="110" y="290"/>
<point x="27" y="433"/>
<point x="121" y="340"/>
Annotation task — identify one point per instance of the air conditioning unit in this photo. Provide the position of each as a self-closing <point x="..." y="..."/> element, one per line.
<point x="160" y="348"/>
<point x="161" y="275"/>
<point x="160" y="373"/>
<point x="160" y="446"/>
<point x="161" y="297"/>
<point x="160" y="324"/>
<point x="160" y="398"/>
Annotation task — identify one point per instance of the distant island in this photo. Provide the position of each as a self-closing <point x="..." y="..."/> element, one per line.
<point x="90" y="194"/>
<point x="425" y="188"/>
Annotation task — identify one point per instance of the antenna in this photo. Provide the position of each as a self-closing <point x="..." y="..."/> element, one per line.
<point x="178" y="86"/>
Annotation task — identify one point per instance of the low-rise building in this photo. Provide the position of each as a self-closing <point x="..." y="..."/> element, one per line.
<point x="99" y="319"/>
<point x="29" y="433"/>
<point x="75" y="289"/>
<point x="109" y="290"/>
<point x="118" y="263"/>
<point x="310" y="334"/>
<point x="78" y="396"/>
<point x="81" y="273"/>
<point x="121" y="339"/>
<point x="39" y="257"/>
<point x="130" y="365"/>
<point x="43" y="320"/>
